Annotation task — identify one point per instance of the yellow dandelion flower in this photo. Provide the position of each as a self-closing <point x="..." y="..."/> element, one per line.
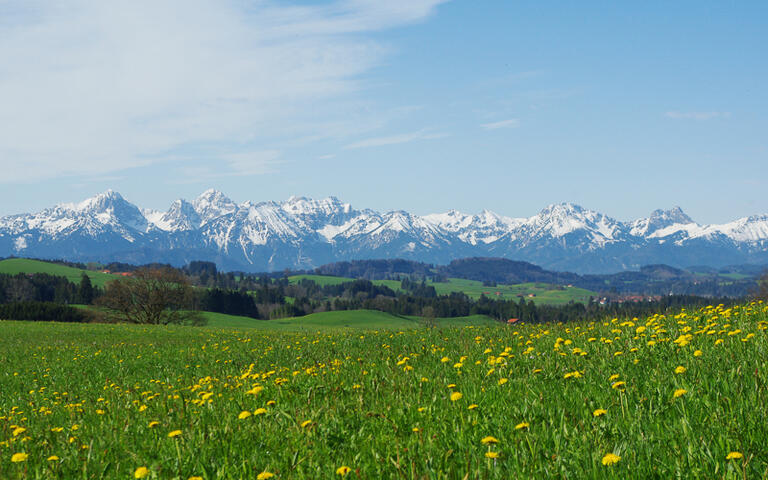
<point x="18" y="431"/>
<point x="451" y="385"/>
<point x="53" y="458"/>
<point x="343" y="470"/>
<point x="445" y="360"/>
<point x="613" y="377"/>
<point x="680" y="392"/>
<point x="254" y="390"/>
<point x="472" y="407"/>
<point x="620" y="385"/>
<point x="491" y="455"/>
<point x="260" y="411"/>
<point x="599" y="412"/>
<point x="19" y="457"/>
<point x="197" y="478"/>
<point x="153" y="424"/>
<point x="271" y="403"/>
<point x="244" y="414"/>
<point x="174" y="434"/>
<point x="522" y="425"/>
<point x="734" y="456"/>
<point x="455" y="396"/>
<point x="489" y="440"/>
<point x="502" y="381"/>
<point x="264" y="475"/>
<point x="306" y="423"/>
<point x="141" y="472"/>
<point x="609" y="459"/>
<point x="680" y="369"/>
<point x="698" y="353"/>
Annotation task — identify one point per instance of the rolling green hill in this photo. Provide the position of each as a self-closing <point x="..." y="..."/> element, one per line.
<point x="321" y="280"/>
<point x="348" y="319"/>
<point x="14" y="266"/>
<point x="543" y="293"/>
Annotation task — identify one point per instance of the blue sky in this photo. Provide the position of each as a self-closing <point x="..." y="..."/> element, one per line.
<point x="421" y="105"/>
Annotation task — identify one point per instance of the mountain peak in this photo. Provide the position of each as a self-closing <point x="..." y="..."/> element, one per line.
<point x="674" y="215"/>
<point x="212" y="204"/>
<point x="563" y="208"/>
<point x="100" y="202"/>
<point x="660" y="220"/>
<point x="308" y="206"/>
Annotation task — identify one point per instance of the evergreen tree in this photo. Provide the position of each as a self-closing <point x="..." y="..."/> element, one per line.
<point x="85" y="292"/>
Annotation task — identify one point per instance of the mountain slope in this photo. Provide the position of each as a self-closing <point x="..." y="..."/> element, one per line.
<point x="305" y="233"/>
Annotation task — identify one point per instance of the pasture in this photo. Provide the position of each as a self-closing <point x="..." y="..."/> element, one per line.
<point x="657" y="397"/>
<point x="14" y="266"/>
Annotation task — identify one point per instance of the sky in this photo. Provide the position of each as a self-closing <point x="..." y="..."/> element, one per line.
<point x="417" y="105"/>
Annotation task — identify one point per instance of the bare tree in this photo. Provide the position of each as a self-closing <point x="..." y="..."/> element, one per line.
<point x="156" y="296"/>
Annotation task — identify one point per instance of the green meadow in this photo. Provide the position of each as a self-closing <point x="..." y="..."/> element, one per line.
<point x="14" y="266"/>
<point x="676" y="396"/>
<point x="539" y="293"/>
<point x="339" y="320"/>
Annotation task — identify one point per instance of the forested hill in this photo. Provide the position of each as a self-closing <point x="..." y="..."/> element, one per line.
<point x="732" y="281"/>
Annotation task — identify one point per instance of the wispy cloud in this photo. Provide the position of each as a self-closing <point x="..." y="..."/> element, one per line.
<point x="395" y="139"/>
<point x="510" y="123"/>
<point x="696" y="115"/>
<point x="254" y="163"/>
<point x="98" y="87"/>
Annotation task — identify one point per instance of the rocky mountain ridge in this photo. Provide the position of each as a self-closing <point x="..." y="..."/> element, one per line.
<point x="304" y="233"/>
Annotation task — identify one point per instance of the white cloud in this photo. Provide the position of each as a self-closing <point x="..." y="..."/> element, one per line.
<point x="96" y="87"/>
<point x="395" y="139"/>
<point x="511" y="123"/>
<point x="254" y="163"/>
<point x="697" y="115"/>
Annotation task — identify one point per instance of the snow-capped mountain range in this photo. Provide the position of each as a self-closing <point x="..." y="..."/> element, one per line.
<point x="303" y="233"/>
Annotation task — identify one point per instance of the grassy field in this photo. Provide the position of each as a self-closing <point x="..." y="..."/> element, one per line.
<point x="15" y="266"/>
<point x="659" y="397"/>
<point x="544" y="293"/>
<point x="339" y="320"/>
<point x="321" y="280"/>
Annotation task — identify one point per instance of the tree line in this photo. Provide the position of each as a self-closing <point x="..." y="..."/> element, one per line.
<point x="162" y="295"/>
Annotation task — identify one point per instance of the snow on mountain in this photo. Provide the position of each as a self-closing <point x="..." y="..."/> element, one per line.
<point x="567" y="226"/>
<point x="661" y="220"/>
<point x="181" y="216"/>
<point x="302" y="232"/>
<point x="212" y="204"/>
